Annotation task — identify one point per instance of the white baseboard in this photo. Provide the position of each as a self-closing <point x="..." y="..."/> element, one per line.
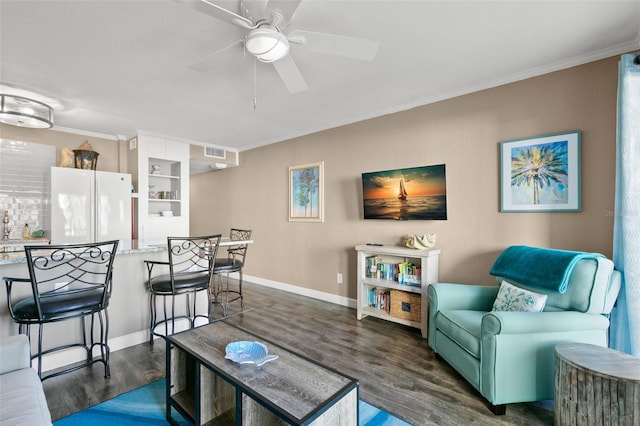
<point x="321" y="295"/>
<point x="71" y="356"/>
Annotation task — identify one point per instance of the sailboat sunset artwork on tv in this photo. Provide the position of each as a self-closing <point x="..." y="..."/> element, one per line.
<point x="418" y="193"/>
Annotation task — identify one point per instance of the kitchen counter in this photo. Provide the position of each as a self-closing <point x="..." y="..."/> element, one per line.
<point x="13" y="245"/>
<point x="124" y="247"/>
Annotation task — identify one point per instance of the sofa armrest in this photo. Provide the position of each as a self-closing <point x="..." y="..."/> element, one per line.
<point x="445" y="296"/>
<point x="541" y="322"/>
<point x="15" y="353"/>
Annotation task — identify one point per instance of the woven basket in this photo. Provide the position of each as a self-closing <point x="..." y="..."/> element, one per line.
<point x="405" y="305"/>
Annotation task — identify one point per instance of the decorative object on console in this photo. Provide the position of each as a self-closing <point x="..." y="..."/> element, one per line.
<point x="418" y="193"/>
<point x="541" y="174"/>
<point x="418" y="242"/>
<point x="66" y="158"/>
<point x="85" y="157"/>
<point x="306" y="193"/>
<point x="244" y="352"/>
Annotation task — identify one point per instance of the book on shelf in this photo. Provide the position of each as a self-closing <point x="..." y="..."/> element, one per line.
<point x="409" y="274"/>
<point x="380" y="299"/>
<point x="405" y="273"/>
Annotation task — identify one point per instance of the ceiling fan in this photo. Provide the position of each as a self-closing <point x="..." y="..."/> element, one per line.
<point x="264" y="22"/>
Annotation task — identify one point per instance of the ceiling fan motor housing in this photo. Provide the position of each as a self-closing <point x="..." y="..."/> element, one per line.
<point x="267" y="43"/>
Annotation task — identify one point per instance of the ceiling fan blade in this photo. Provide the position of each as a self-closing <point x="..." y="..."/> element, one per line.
<point x="253" y="10"/>
<point x="333" y="44"/>
<point x="290" y="74"/>
<point x="210" y="61"/>
<point x="286" y="8"/>
<point x="211" y="9"/>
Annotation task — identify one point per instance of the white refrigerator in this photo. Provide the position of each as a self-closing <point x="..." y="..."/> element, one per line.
<point x="89" y="206"/>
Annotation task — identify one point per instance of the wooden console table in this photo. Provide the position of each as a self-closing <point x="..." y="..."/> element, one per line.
<point x="207" y="389"/>
<point x="596" y="385"/>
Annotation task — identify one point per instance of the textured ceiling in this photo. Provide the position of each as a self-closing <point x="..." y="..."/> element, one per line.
<point x="116" y="67"/>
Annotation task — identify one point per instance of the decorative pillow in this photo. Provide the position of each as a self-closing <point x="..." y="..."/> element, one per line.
<point x="516" y="299"/>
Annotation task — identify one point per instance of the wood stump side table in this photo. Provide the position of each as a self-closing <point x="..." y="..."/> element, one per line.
<point x="596" y="386"/>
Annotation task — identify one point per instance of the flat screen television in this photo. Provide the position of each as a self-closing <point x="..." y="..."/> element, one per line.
<point x="417" y="193"/>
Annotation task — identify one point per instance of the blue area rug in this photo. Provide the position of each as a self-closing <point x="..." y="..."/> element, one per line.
<point x="146" y="406"/>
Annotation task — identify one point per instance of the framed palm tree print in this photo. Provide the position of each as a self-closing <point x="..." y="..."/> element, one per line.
<point x="306" y="193"/>
<point x="541" y="174"/>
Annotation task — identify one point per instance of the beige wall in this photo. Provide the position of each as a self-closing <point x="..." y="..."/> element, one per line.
<point x="464" y="133"/>
<point x="109" y="158"/>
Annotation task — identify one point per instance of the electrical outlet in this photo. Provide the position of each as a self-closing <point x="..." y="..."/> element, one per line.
<point x="339" y="278"/>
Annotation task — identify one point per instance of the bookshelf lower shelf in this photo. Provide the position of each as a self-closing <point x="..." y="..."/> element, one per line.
<point x="382" y="314"/>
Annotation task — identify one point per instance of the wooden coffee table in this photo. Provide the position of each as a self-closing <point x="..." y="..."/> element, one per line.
<point x="208" y="389"/>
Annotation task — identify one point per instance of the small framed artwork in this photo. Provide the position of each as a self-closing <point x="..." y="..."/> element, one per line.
<point x="541" y="174"/>
<point x="306" y="193"/>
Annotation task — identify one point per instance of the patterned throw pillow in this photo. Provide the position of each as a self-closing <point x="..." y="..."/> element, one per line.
<point x="516" y="299"/>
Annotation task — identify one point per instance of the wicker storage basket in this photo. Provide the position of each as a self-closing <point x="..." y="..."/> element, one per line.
<point x="405" y="305"/>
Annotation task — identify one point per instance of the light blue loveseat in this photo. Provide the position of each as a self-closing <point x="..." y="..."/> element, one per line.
<point x="22" y="400"/>
<point x="509" y="356"/>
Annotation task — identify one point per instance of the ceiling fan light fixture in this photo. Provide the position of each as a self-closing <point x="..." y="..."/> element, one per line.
<point x="25" y="112"/>
<point x="267" y="44"/>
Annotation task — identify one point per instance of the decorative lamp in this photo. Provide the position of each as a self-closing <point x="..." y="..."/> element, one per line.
<point x="267" y="43"/>
<point x="85" y="157"/>
<point x="25" y="112"/>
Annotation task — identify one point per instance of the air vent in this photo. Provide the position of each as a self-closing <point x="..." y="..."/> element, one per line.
<point x="212" y="152"/>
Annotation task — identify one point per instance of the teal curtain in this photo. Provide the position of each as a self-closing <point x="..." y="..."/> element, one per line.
<point x="625" y="319"/>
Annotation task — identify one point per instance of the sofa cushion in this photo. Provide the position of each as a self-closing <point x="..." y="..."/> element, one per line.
<point x="515" y="299"/>
<point x="463" y="327"/>
<point x="22" y="399"/>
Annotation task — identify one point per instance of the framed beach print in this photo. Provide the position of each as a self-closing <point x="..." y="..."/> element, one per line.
<point x="541" y="174"/>
<point x="306" y="193"/>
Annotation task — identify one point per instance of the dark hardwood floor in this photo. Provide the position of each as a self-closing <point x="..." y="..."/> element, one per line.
<point x="396" y="369"/>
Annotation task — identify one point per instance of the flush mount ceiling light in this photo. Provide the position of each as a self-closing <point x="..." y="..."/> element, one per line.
<point x="25" y="112"/>
<point x="267" y="43"/>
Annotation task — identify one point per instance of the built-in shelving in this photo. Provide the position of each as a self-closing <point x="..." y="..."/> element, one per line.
<point x="161" y="167"/>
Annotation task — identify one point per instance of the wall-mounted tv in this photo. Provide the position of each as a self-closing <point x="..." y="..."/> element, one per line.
<point x="417" y="193"/>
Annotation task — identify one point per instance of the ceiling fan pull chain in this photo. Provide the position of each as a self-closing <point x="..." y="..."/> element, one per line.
<point x="255" y="84"/>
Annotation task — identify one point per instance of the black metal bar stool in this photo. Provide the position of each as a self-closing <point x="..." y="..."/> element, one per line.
<point x="67" y="282"/>
<point x="190" y="267"/>
<point x="224" y="265"/>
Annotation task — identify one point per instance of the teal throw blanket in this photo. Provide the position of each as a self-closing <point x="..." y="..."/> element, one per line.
<point x="539" y="267"/>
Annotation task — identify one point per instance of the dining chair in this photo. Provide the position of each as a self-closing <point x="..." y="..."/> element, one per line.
<point x="189" y="269"/>
<point x="67" y="282"/>
<point x="232" y="262"/>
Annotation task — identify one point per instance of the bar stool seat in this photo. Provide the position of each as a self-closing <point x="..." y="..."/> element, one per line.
<point x="58" y="305"/>
<point x="192" y="281"/>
